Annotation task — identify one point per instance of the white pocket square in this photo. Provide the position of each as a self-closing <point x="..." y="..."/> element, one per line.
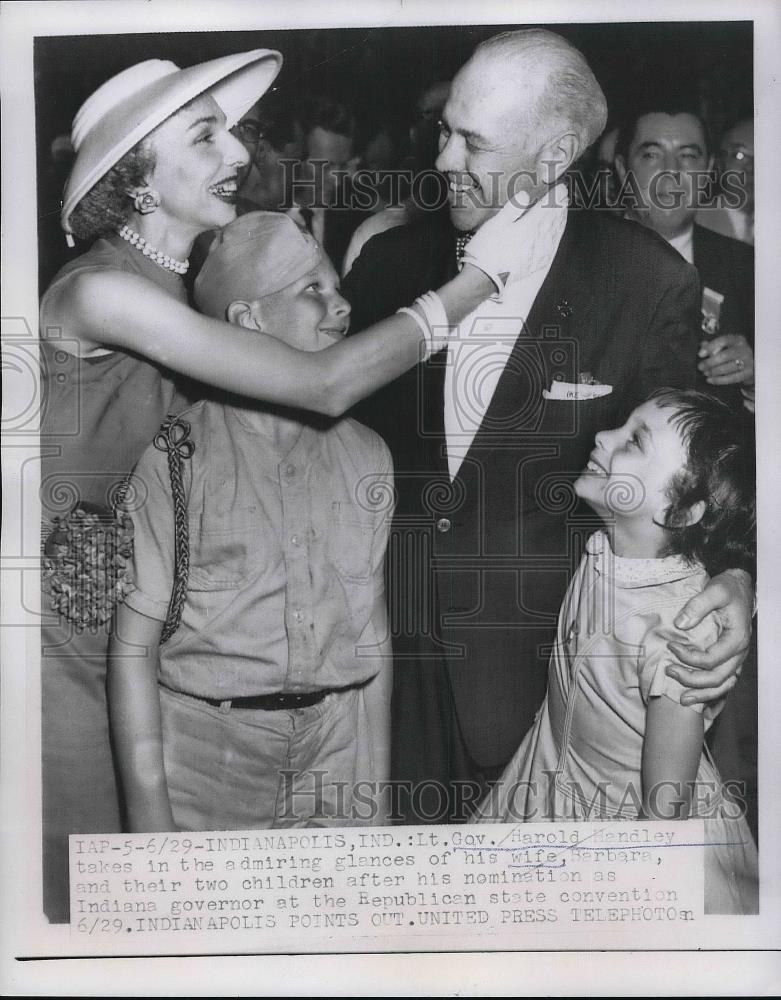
<point x="576" y="390"/>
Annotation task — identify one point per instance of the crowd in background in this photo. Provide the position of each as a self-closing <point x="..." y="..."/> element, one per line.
<point x="388" y="86"/>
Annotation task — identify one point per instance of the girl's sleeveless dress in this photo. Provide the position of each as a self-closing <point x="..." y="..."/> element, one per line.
<point x="98" y="415"/>
<point x="581" y="759"/>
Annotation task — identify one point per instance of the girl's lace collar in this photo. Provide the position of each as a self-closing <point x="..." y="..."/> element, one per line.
<point x="626" y="572"/>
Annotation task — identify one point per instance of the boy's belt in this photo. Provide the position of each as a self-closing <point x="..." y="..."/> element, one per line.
<point x="270" y="702"/>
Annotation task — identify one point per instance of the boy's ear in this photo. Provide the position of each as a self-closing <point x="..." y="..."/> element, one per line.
<point x="240" y="314"/>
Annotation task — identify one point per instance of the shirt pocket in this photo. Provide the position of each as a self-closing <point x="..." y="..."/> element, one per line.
<point x="351" y="536"/>
<point x="219" y="560"/>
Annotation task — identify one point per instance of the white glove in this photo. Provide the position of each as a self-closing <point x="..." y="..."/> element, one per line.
<point x="518" y="239"/>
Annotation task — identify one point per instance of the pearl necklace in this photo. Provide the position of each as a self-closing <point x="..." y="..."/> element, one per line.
<point x="156" y="256"/>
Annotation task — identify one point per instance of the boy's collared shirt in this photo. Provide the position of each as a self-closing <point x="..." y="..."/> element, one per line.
<point x="286" y="556"/>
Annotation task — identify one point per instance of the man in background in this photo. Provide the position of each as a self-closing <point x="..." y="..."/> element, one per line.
<point x="322" y="193"/>
<point x="272" y="133"/>
<point x="666" y="151"/>
<point x="735" y="172"/>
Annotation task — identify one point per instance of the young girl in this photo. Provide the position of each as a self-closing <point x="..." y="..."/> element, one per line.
<point x="675" y="489"/>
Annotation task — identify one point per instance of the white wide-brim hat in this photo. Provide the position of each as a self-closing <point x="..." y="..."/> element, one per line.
<point x="131" y="104"/>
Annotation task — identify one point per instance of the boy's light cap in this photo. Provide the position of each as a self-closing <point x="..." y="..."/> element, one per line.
<point x="253" y="256"/>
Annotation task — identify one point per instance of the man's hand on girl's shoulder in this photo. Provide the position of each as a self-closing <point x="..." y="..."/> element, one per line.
<point x="730" y="596"/>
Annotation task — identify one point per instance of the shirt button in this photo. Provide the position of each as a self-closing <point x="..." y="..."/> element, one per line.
<point x="443" y="524"/>
<point x="290" y="470"/>
<point x="298" y="616"/>
<point x="295" y="540"/>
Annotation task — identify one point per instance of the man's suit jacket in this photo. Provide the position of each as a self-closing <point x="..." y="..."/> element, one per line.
<point x="340" y="224"/>
<point x="483" y="562"/>
<point x="727" y="266"/>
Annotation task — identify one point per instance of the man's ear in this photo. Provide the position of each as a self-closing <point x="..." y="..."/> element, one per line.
<point x="557" y="156"/>
<point x="241" y="314"/>
<point x="620" y="164"/>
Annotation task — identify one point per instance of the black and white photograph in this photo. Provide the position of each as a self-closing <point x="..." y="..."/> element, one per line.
<point x="388" y="569"/>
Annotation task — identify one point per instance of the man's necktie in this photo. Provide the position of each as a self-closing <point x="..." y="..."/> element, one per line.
<point x="306" y="216"/>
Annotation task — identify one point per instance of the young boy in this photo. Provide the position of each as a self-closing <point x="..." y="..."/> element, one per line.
<point x="269" y="705"/>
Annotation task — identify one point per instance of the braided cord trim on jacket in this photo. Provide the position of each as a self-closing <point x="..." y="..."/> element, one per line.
<point x="174" y="438"/>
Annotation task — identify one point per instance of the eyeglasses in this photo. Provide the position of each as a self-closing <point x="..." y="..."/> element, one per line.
<point x="247" y="131"/>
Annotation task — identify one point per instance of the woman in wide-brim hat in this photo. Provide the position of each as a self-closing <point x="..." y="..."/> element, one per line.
<point x="155" y="166"/>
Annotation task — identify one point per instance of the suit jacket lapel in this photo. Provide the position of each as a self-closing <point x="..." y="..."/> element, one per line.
<point x="699" y="250"/>
<point x="555" y="302"/>
<point x="711" y="267"/>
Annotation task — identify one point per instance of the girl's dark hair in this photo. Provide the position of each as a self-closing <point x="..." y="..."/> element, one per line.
<point x="721" y="472"/>
<point x="106" y="207"/>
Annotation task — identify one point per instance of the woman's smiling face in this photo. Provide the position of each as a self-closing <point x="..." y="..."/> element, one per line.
<point x="198" y="166"/>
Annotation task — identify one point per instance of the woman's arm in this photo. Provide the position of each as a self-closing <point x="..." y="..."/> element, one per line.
<point x="671" y="755"/>
<point x="115" y="309"/>
<point x="134" y="713"/>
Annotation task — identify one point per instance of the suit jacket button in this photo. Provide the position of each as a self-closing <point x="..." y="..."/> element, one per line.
<point x="443" y="524"/>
